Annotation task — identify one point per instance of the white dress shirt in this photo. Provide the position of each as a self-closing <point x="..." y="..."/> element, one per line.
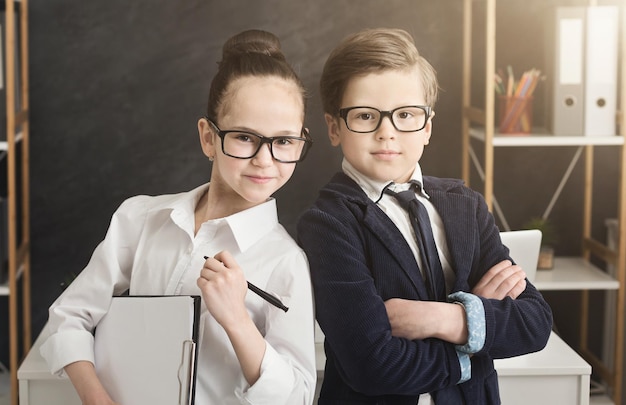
<point x="150" y="249"/>
<point x="400" y="217"/>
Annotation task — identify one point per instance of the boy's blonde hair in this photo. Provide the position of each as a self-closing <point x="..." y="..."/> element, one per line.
<point x="373" y="51"/>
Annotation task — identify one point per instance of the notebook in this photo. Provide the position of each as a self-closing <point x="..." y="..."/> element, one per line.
<point x="524" y="248"/>
<point x="145" y="349"/>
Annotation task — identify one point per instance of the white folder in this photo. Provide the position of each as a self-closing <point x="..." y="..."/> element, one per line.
<point x="601" y="71"/>
<point x="146" y="351"/>
<point x="569" y="61"/>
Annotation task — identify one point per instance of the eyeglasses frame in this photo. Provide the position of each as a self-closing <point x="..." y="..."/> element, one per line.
<point x="343" y="113"/>
<point x="308" y="142"/>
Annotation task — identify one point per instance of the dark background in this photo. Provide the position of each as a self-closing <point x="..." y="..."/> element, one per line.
<point x="117" y="87"/>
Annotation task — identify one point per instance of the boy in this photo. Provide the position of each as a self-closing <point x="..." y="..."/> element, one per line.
<point x="391" y="335"/>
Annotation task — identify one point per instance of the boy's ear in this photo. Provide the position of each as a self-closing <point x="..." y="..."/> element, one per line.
<point x="207" y="137"/>
<point x="333" y="123"/>
<point x="428" y="129"/>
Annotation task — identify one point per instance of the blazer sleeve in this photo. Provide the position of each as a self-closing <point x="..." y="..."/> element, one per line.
<point x="513" y="326"/>
<point x="352" y="313"/>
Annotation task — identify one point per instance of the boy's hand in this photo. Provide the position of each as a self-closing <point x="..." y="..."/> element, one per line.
<point x="411" y="319"/>
<point x="502" y="280"/>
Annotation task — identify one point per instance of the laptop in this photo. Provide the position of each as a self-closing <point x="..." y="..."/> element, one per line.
<point x="524" y="248"/>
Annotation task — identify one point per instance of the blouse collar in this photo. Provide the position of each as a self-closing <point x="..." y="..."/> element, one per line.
<point x="247" y="226"/>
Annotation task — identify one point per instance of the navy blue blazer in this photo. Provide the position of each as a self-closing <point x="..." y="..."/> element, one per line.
<point x="359" y="259"/>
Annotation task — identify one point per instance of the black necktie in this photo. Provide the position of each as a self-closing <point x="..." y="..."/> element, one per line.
<point x="431" y="264"/>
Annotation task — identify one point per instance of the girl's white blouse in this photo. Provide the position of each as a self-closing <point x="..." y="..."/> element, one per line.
<point x="150" y="249"/>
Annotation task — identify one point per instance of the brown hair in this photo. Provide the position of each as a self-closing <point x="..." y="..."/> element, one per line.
<point x="372" y="51"/>
<point x="250" y="53"/>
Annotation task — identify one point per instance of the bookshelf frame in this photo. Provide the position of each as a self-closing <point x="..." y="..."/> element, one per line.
<point x="478" y="126"/>
<point x="18" y="228"/>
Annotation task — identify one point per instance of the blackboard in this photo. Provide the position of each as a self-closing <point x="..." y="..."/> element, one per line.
<point x="117" y="87"/>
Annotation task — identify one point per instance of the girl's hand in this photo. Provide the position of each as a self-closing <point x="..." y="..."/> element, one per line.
<point x="104" y="401"/>
<point x="83" y="376"/>
<point x="224" y="289"/>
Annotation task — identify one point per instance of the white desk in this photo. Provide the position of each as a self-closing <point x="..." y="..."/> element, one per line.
<point x="555" y="375"/>
<point x="38" y="387"/>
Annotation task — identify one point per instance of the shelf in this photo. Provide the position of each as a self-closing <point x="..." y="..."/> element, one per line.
<point x="574" y="273"/>
<point x="569" y="273"/>
<point x="542" y="138"/>
<point x="4" y="287"/>
<point x="4" y="145"/>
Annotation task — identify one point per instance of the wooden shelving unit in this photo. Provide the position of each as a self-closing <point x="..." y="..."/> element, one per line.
<point x="16" y="145"/>
<point x="569" y="273"/>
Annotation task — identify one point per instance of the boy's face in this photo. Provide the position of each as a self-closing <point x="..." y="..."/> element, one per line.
<point x="385" y="154"/>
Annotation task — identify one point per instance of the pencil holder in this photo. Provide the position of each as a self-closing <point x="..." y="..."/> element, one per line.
<point x="516" y="114"/>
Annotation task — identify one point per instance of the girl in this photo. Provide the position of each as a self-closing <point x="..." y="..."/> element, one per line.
<point x="250" y="351"/>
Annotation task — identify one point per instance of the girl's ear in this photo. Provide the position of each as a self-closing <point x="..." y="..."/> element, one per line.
<point x="333" y="124"/>
<point x="207" y="134"/>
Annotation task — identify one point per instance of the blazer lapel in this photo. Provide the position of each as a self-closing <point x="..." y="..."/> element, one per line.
<point x="460" y="226"/>
<point x="390" y="237"/>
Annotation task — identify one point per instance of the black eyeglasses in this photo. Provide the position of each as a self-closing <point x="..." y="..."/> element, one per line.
<point x="245" y="145"/>
<point x="410" y="118"/>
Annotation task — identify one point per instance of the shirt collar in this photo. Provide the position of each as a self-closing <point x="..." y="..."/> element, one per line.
<point x="185" y="202"/>
<point x="247" y="226"/>
<point x="250" y="225"/>
<point x="375" y="189"/>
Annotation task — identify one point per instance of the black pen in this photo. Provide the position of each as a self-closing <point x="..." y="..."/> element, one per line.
<point x="265" y="295"/>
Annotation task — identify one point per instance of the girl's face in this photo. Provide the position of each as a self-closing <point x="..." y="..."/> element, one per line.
<point x="385" y="154"/>
<point x="267" y="106"/>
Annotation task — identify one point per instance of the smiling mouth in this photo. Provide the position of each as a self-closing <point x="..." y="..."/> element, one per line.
<point x="260" y="179"/>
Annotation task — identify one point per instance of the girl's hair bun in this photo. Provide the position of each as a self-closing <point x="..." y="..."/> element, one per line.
<point x="251" y="53"/>
<point x="250" y="42"/>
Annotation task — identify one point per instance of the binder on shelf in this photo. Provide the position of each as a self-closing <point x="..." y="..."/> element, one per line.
<point x="601" y="71"/>
<point x="568" y="97"/>
<point x="146" y="349"/>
